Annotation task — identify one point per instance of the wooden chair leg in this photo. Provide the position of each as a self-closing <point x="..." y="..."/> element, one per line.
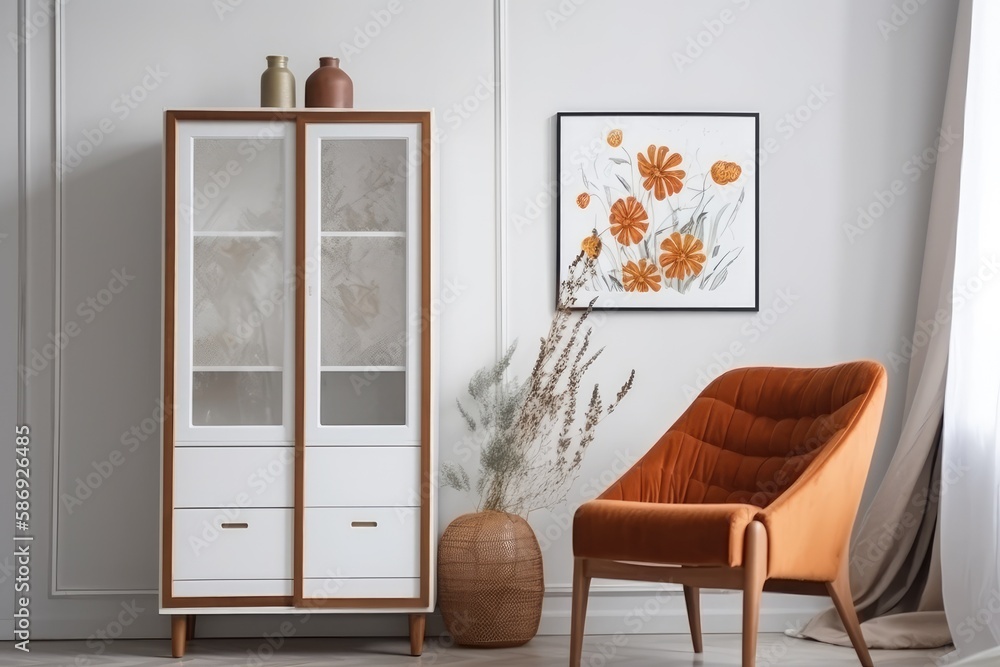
<point x="692" y="600"/>
<point x="418" y="626"/>
<point x="840" y="591"/>
<point x="581" y="590"/>
<point x="754" y="576"/>
<point x="191" y="620"/>
<point x="178" y="635"/>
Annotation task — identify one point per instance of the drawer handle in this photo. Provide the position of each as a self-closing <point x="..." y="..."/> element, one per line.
<point x="364" y="524"/>
<point x="228" y="526"/>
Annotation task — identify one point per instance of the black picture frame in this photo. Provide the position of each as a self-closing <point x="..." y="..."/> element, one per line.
<point x="745" y="149"/>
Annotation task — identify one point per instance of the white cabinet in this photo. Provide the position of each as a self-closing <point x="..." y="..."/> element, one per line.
<point x="297" y="362"/>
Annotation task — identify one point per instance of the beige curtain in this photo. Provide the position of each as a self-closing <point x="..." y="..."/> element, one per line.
<point x="895" y="554"/>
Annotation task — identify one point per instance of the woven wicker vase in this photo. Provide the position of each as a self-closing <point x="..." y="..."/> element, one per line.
<point x="490" y="582"/>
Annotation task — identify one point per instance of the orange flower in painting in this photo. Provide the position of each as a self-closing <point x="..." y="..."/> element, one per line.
<point x="592" y="245"/>
<point x="615" y="138"/>
<point x="641" y="277"/>
<point x="725" y="172"/>
<point x="657" y="168"/>
<point x="628" y="221"/>
<point x="583" y="200"/>
<point x="682" y="256"/>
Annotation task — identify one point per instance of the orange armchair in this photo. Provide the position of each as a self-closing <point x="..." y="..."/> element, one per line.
<point x="754" y="488"/>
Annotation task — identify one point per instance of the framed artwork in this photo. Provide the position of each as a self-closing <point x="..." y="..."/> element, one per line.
<point x="666" y="206"/>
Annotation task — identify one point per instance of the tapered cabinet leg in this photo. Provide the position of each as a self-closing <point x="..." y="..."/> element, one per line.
<point x="191" y="619"/>
<point x="418" y="625"/>
<point x="754" y="576"/>
<point x="581" y="591"/>
<point x="692" y="600"/>
<point x="178" y="635"/>
<point x="840" y="591"/>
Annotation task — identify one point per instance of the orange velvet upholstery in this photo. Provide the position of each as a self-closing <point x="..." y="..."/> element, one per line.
<point x="646" y="532"/>
<point x="789" y="448"/>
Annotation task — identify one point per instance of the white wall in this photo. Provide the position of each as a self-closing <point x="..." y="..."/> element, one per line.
<point x="876" y="102"/>
<point x="851" y="297"/>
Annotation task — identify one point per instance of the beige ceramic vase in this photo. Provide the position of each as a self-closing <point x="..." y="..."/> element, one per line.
<point x="277" y="85"/>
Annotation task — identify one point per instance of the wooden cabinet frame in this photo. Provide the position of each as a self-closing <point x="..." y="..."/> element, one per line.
<point x="183" y="607"/>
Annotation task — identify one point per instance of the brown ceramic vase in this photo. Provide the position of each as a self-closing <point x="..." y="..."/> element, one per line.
<point x="329" y="86"/>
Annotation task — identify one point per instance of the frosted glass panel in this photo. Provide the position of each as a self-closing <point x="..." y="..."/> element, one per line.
<point x="374" y="398"/>
<point x="228" y="398"/>
<point x="363" y="185"/>
<point x="239" y="184"/>
<point x="363" y="314"/>
<point x="238" y="301"/>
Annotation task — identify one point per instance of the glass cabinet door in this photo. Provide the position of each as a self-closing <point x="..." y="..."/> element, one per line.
<point x="234" y="276"/>
<point x="363" y="273"/>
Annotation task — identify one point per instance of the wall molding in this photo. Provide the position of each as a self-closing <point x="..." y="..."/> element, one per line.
<point x="22" y="208"/>
<point x="59" y="97"/>
<point x="500" y="117"/>
<point x="59" y="133"/>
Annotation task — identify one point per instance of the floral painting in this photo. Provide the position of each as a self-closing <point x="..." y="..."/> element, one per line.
<point x="666" y="205"/>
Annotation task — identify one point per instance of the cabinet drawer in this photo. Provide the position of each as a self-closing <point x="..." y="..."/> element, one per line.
<point x="362" y="542"/>
<point x="232" y="588"/>
<point x="240" y="476"/>
<point x="331" y="589"/>
<point x="232" y="543"/>
<point x="362" y="476"/>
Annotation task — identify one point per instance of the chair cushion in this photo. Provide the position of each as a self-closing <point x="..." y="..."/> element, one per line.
<point x="678" y="534"/>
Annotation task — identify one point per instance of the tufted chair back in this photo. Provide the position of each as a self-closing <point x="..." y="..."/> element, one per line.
<point x="748" y="436"/>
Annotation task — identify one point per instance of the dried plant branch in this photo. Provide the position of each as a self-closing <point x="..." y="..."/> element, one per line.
<point x="532" y="444"/>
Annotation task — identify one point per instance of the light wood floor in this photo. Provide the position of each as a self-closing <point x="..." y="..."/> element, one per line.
<point x="620" y="651"/>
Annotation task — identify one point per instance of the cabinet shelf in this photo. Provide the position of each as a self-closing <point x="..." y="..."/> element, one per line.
<point x="361" y="369"/>
<point x="236" y="369"/>
<point x="239" y="234"/>
<point x="362" y="234"/>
